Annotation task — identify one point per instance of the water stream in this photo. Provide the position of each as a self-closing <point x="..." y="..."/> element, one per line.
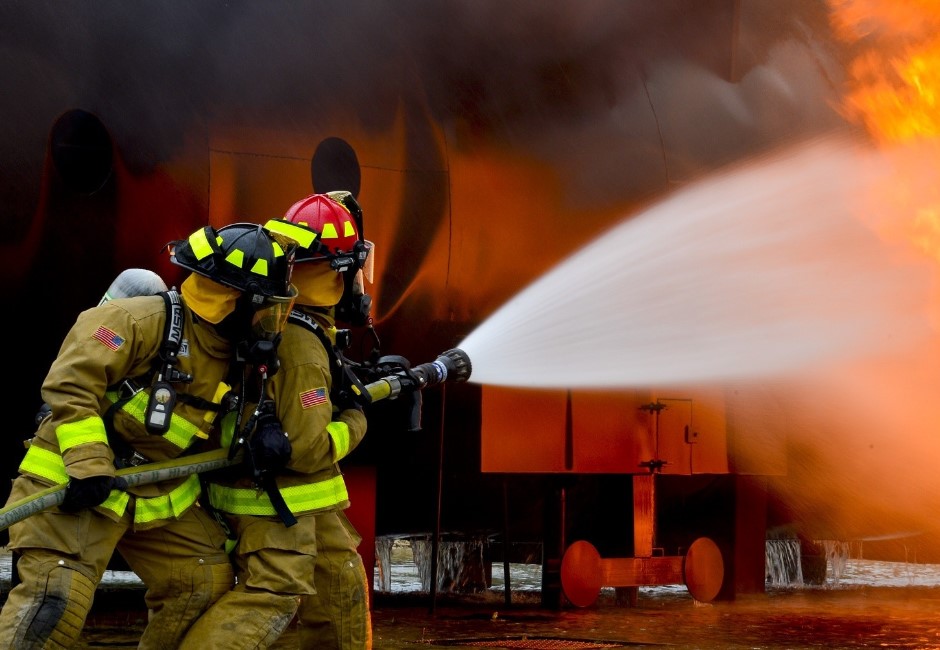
<point x="765" y="269"/>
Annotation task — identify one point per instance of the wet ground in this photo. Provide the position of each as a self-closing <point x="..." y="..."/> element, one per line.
<point x="871" y="605"/>
<point x="856" y="617"/>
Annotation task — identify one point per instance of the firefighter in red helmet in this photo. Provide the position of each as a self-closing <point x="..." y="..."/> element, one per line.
<point x="308" y="553"/>
<point x="123" y="392"/>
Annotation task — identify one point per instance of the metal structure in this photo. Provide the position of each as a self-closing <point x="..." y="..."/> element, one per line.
<point x="484" y="143"/>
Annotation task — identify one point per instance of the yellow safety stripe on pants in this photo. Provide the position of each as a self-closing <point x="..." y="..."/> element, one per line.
<point x="72" y="434"/>
<point x="181" y="430"/>
<point x="299" y="498"/>
<point x="50" y="466"/>
<point x="45" y="464"/>
<point x="339" y="433"/>
<point x="172" y="504"/>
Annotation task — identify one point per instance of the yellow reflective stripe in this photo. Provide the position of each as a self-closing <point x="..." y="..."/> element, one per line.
<point x="235" y="258"/>
<point x="181" y="430"/>
<point x="303" y="236"/>
<point x="200" y="244"/>
<point x="299" y="498"/>
<point x="116" y="502"/>
<point x="82" y="432"/>
<point x="260" y="267"/>
<point x="348" y="230"/>
<point x="329" y="231"/>
<point x="47" y="464"/>
<point x="339" y="433"/>
<point x="172" y="504"/>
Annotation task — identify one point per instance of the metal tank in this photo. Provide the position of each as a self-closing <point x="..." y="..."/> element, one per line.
<point x="485" y="142"/>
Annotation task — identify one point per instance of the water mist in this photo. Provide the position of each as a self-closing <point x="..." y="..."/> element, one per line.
<point x="762" y="270"/>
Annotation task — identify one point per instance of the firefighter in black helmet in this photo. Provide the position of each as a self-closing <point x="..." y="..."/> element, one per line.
<point x="137" y="380"/>
<point x="314" y="559"/>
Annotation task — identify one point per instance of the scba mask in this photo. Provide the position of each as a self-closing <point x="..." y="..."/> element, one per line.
<point x="268" y="319"/>
<point x="355" y="306"/>
<point x="269" y="315"/>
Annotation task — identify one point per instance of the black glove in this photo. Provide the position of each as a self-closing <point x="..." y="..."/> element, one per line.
<point x="344" y="400"/>
<point x="90" y="492"/>
<point x="269" y="447"/>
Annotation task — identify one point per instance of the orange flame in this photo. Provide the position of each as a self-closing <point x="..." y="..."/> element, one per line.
<point x="893" y="91"/>
<point x="894" y="82"/>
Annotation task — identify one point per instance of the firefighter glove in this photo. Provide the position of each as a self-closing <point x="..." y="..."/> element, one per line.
<point x="90" y="492"/>
<point x="270" y="448"/>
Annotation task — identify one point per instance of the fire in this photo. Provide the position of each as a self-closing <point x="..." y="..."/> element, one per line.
<point x="894" y="81"/>
<point x="893" y="91"/>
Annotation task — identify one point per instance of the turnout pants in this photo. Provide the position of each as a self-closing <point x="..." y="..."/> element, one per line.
<point x="63" y="556"/>
<point x="274" y="567"/>
<point x="337" y="617"/>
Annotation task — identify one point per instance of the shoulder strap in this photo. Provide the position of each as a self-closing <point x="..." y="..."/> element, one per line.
<point x="340" y="366"/>
<point x="173" y="326"/>
<point x="162" y="394"/>
<point x="299" y="318"/>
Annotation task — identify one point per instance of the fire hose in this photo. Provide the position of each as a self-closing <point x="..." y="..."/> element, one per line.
<point x="400" y="378"/>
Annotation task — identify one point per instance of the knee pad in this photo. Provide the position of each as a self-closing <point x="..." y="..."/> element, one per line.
<point x="58" y="615"/>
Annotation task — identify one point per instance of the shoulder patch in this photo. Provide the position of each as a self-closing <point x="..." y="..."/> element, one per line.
<point x="108" y="338"/>
<point x="312" y="397"/>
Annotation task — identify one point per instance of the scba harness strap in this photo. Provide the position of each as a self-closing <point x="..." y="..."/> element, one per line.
<point x="163" y="395"/>
<point x="157" y="416"/>
<point x="340" y="366"/>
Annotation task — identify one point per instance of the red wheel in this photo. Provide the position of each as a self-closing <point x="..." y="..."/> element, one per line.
<point x="581" y="574"/>
<point x="704" y="570"/>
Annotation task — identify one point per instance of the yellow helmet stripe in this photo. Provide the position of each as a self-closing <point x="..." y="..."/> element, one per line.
<point x="303" y="236"/>
<point x="329" y="232"/>
<point x="236" y="258"/>
<point x="200" y="245"/>
<point x="260" y="267"/>
<point x="348" y="230"/>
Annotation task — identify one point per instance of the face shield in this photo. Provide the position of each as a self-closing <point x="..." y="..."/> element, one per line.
<point x="270" y="314"/>
<point x="366" y="269"/>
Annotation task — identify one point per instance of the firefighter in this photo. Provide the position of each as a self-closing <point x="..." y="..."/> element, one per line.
<point x="140" y="380"/>
<point x="310" y="551"/>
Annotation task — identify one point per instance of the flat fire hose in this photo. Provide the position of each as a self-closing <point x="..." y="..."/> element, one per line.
<point x="141" y="475"/>
<point x="452" y="365"/>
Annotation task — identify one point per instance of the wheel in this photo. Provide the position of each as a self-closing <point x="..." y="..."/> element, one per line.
<point x="581" y="574"/>
<point x="703" y="569"/>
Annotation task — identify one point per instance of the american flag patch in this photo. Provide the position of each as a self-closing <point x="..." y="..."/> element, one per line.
<point x="313" y="397"/>
<point x="110" y="340"/>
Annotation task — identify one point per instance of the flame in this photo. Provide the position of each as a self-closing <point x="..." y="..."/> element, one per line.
<point x="893" y="91"/>
<point x="894" y="80"/>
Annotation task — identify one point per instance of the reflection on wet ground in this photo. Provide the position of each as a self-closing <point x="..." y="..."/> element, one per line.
<point x="883" y="617"/>
<point x="855" y="617"/>
<point x="873" y="605"/>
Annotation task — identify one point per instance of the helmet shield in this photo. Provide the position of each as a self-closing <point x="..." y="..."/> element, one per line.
<point x="270" y="314"/>
<point x="367" y="266"/>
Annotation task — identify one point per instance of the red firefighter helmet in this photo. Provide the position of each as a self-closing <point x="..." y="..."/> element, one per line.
<point x="332" y="219"/>
<point x="328" y="227"/>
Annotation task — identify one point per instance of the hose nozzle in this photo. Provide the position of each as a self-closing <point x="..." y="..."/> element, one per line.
<point x="452" y="365"/>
